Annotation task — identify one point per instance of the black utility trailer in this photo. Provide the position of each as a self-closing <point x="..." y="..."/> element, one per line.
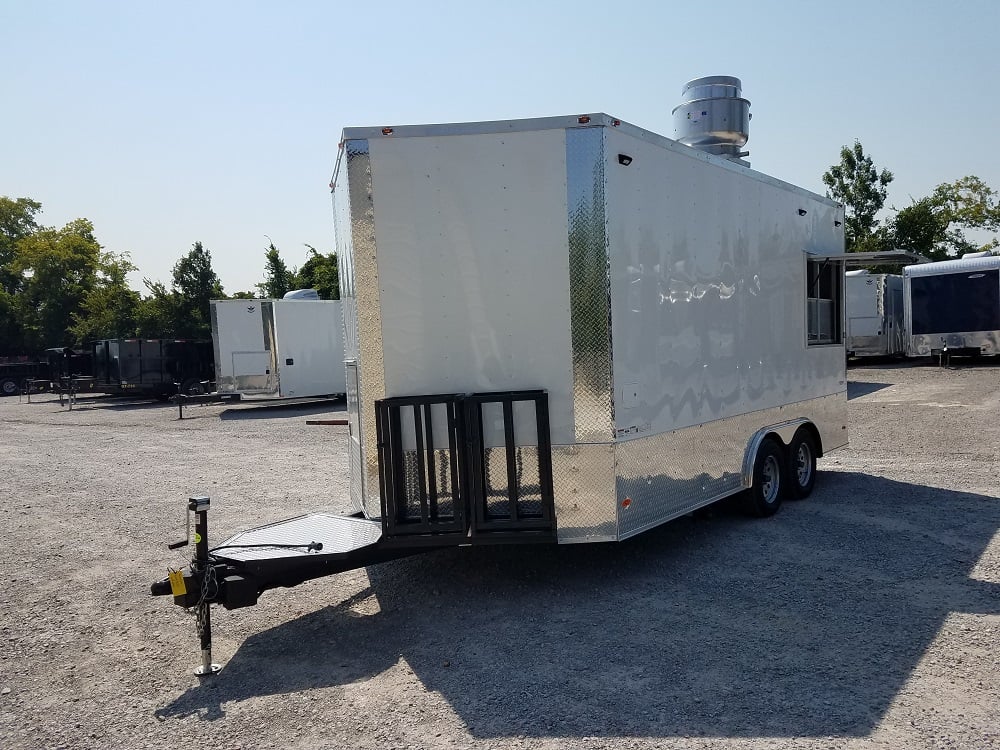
<point x="15" y="376"/>
<point x="149" y="368"/>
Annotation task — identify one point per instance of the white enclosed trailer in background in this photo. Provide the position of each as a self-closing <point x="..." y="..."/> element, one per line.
<point x="874" y="314"/>
<point x="953" y="306"/>
<point x="274" y="349"/>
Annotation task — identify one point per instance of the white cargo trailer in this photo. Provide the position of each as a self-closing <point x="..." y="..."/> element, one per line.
<point x="559" y="330"/>
<point x="953" y="307"/>
<point x="874" y="314"/>
<point x="278" y="349"/>
<point x="677" y="310"/>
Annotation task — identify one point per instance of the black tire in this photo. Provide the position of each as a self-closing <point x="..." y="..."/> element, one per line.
<point x="769" y="478"/>
<point x="193" y="387"/>
<point x="9" y="387"/>
<point x="801" y="465"/>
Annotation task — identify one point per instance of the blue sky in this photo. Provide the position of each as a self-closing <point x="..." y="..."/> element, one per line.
<point x="168" y="123"/>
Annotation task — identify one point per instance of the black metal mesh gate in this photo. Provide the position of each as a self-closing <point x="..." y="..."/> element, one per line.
<point x="475" y="467"/>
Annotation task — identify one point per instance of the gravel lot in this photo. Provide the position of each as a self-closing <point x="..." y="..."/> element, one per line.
<point x="865" y="617"/>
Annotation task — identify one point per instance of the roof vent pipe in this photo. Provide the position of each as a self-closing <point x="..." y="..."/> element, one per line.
<point x="714" y="117"/>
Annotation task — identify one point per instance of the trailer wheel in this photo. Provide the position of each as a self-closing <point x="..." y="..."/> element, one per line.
<point x="801" y="465"/>
<point x="769" y="471"/>
<point x="9" y="387"/>
<point x="193" y="387"/>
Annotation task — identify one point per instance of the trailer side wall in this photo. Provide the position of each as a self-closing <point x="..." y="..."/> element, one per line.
<point x="708" y="312"/>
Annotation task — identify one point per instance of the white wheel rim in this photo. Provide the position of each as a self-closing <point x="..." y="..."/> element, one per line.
<point x="770" y="479"/>
<point x="803" y="464"/>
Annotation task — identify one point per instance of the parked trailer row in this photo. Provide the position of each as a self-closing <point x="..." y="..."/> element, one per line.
<point x="154" y="368"/>
<point x="949" y="307"/>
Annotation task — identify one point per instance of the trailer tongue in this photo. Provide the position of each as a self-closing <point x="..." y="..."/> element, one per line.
<point x="236" y="572"/>
<point x="282" y="554"/>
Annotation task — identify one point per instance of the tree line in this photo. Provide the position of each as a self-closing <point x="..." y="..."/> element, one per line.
<point x="60" y="287"/>
<point x="935" y="226"/>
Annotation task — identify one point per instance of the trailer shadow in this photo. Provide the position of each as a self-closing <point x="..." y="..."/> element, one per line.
<point x="859" y="388"/>
<point x="284" y="410"/>
<point x="116" y="403"/>
<point x="807" y="624"/>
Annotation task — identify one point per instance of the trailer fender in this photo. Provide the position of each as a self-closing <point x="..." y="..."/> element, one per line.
<point x="783" y="431"/>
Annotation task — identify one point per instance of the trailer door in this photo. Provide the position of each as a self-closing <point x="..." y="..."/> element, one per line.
<point x="956" y="302"/>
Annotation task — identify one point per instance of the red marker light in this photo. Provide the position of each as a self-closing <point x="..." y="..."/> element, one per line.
<point x="583" y="119"/>
<point x="386" y="131"/>
<point x="626" y="502"/>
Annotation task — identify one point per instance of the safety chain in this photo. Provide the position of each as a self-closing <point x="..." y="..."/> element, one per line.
<point x="209" y="581"/>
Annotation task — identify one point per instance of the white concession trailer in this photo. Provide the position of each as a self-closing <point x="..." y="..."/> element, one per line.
<point x="953" y="306"/>
<point x="560" y="330"/>
<point x="278" y="348"/>
<point x="676" y="310"/>
<point x="874" y="314"/>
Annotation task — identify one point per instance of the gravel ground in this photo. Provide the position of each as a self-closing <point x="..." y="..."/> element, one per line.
<point x="865" y="617"/>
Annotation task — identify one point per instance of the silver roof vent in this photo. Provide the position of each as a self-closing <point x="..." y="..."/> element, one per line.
<point x="714" y="117"/>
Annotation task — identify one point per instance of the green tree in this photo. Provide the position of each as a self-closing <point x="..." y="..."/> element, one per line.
<point x="195" y="284"/>
<point x="17" y="221"/>
<point x="936" y="226"/>
<point x="857" y="184"/>
<point x="110" y="308"/>
<point x="969" y="202"/>
<point x="59" y="270"/>
<point x="157" y="313"/>
<point x="319" y="272"/>
<point x="277" y="278"/>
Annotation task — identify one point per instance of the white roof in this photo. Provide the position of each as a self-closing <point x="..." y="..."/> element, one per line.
<point x="959" y="265"/>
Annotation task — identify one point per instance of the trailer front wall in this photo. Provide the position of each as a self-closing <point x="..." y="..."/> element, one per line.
<point x="473" y="267"/>
<point x="874" y="315"/>
<point x="954" y="304"/>
<point x="242" y="362"/>
<point x="462" y="285"/>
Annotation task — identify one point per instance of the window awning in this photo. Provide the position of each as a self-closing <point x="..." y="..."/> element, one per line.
<point x="883" y="258"/>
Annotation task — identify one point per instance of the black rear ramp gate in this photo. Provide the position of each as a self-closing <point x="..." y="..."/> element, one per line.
<point x="454" y="469"/>
<point x="466" y="468"/>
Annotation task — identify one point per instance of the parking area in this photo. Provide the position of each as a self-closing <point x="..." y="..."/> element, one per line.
<point x="867" y="616"/>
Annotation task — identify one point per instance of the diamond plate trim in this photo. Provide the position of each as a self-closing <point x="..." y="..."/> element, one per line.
<point x="367" y="312"/>
<point x="337" y="534"/>
<point x="668" y="475"/>
<point x="583" y="480"/>
<point x="590" y="286"/>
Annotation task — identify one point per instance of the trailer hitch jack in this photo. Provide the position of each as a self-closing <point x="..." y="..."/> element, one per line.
<point x="202" y="578"/>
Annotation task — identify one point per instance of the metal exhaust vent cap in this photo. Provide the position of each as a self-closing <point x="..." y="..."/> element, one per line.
<point x="714" y="117"/>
